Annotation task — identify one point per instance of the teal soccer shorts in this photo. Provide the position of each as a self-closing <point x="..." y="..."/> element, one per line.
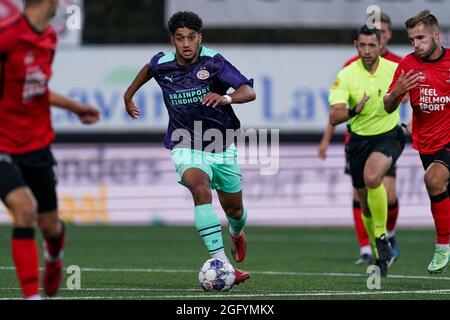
<point x="222" y="168"/>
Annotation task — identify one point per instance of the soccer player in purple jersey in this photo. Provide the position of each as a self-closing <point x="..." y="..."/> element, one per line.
<point x="194" y="81"/>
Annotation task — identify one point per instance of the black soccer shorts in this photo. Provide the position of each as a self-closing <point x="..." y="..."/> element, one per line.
<point x="359" y="149"/>
<point x="442" y="156"/>
<point x="37" y="170"/>
<point x="392" y="172"/>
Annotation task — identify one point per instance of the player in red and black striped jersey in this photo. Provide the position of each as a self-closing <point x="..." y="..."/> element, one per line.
<point x="425" y="76"/>
<point x="27" y="177"/>
<point x="390" y="178"/>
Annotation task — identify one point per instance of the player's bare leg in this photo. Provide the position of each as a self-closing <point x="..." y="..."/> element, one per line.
<point x="436" y="180"/>
<point x="53" y="231"/>
<point x="236" y="215"/>
<point x="198" y="184"/>
<point x="23" y="207"/>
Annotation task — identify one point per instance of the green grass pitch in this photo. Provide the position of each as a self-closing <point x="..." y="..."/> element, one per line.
<point x="285" y="263"/>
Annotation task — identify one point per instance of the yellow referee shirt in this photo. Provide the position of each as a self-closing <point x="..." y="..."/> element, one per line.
<point x="349" y="88"/>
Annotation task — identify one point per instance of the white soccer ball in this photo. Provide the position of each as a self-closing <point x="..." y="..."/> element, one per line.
<point x="216" y="275"/>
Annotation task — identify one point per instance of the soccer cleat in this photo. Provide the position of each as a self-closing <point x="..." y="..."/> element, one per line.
<point x="239" y="247"/>
<point x="440" y="260"/>
<point x="395" y="248"/>
<point x="241" y="276"/>
<point x="385" y="255"/>
<point x="52" y="277"/>
<point x="52" y="272"/>
<point x="382" y="266"/>
<point x="364" y="259"/>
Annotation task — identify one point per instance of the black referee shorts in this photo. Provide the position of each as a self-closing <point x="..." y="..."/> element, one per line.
<point x="392" y="172"/>
<point x="37" y="170"/>
<point x="359" y="149"/>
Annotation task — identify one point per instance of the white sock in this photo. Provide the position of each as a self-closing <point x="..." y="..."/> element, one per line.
<point x="220" y="255"/>
<point x="234" y="233"/>
<point x="34" y="297"/>
<point x="365" y="250"/>
<point x="444" y="246"/>
<point x="391" y="234"/>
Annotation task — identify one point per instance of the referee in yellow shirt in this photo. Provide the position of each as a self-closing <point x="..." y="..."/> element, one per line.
<point x="376" y="140"/>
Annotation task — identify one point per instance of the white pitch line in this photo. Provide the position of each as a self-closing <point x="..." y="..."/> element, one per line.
<point x="276" y="273"/>
<point x="132" y="289"/>
<point x="199" y="290"/>
<point x="307" y="294"/>
<point x="281" y="295"/>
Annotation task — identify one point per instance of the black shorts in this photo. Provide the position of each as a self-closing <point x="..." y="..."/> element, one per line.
<point x="442" y="156"/>
<point x="359" y="149"/>
<point x="392" y="172"/>
<point x="37" y="170"/>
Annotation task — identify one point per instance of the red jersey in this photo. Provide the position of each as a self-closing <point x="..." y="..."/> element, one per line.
<point x="8" y="10"/>
<point x="430" y="101"/>
<point x="26" y="56"/>
<point x="387" y="55"/>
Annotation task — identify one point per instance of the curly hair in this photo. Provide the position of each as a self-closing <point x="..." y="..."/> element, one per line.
<point x="185" y="19"/>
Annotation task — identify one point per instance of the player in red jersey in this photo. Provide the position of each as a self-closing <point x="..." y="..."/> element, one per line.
<point x="27" y="177"/>
<point x="389" y="180"/>
<point x="425" y="75"/>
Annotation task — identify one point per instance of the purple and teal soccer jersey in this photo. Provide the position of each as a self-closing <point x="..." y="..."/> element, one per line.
<point x="184" y="88"/>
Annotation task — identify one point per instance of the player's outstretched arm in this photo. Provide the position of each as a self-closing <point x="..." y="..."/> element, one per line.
<point x="338" y="114"/>
<point x="144" y="76"/>
<point x="243" y="94"/>
<point x="325" y="142"/>
<point x="87" y="114"/>
<point x="404" y="84"/>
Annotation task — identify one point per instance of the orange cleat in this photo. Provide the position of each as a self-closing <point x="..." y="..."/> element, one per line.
<point x="241" y="276"/>
<point x="239" y="247"/>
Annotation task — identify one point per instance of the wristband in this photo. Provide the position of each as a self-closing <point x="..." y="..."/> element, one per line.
<point x="228" y="98"/>
<point x="352" y="113"/>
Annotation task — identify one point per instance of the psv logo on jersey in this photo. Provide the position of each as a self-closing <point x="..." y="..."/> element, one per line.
<point x="203" y="74"/>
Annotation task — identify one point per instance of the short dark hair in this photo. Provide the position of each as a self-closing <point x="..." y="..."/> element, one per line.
<point x="365" y="30"/>
<point x="425" y="17"/>
<point x="185" y="19"/>
<point x="31" y="2"/>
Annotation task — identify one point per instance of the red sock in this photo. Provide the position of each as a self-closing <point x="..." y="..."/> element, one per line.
<point x="26" y="258"/>
<point x="55" y="245"/>
<point x="392" y="216"/>
<point x="361" y="232"/>
<point x="440" y="208"/>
